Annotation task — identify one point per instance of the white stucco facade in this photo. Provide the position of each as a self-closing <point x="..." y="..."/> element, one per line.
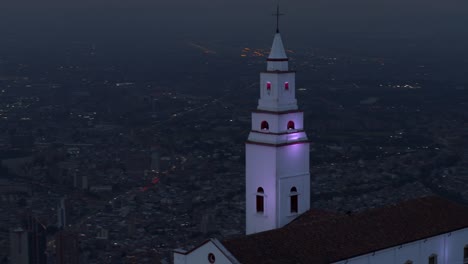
<point x="278" y="123"/>
<point x="212" y="251"/>
<point x="277" y="170"/>
<point x="447" y="248"/>
<point x="273" y="93"/>
<point x="277" y="150"/>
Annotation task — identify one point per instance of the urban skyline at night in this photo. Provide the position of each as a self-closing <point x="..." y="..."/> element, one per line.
<point x="140" y="131"/>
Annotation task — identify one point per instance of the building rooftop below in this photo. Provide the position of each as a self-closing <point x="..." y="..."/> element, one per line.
<point x="320" y="237"/>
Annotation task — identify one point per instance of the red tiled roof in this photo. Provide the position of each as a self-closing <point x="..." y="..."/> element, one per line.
<point x="330" y="238"/>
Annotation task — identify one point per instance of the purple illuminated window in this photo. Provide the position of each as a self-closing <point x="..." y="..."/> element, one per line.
<point x="268" y="86"/>
<point x="264" y="125"/>
<point x="291" y="125"/>
<point x="286" y="86"/>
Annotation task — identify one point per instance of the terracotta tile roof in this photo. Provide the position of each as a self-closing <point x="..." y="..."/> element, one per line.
<point x="329" y="238"/>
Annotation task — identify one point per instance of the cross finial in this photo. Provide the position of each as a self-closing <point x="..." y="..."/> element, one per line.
<point x="278" y="14"/>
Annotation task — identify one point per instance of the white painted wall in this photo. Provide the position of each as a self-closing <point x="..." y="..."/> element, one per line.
<point x="292" y="171"/>
<point x="260" y="172"/>
<point x="277" y="66"/>
<point x="277" y="123"/>
<point x="276" y="170"/>
<point x="448" y="247"/>
<point x="292" y="160"/>
<point x="302" y="184"/>
<point x="277" y="98"/>
<point x="277" y="139"/>
<point x="200" y="255"/>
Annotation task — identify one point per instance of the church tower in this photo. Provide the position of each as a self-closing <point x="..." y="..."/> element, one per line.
<point x="277" y="150"/>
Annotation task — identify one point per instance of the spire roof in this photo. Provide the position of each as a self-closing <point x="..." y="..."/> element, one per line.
<point x="277" y="49"/>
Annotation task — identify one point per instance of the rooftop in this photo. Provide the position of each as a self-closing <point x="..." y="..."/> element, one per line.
<point x="317" y="237"/>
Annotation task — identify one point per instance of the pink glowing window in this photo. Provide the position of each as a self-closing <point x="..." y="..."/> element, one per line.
<point x="286" y="86"/>
<point x="260" y="194"/>
<point x="294" y="200"/>
<point x="268" y="85"/>
<point x="291" y="125"/>
<point x="264" y="125"/>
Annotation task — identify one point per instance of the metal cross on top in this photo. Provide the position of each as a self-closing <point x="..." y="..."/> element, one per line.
<point x="278" y="14"/>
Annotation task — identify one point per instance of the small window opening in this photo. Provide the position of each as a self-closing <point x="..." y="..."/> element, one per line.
<point x="294" y="200"/>
<point x="286" y="86"/>
<point x="465" y="254"/>
<point x="409" y="262"/>
<point x="268" y="86"/>
<point x="260" y="201"/>
<point x="211" y="258"/>
<point x="291" y="125"/>
<point x="264" y="125"/>
<point x="433" y="259"/>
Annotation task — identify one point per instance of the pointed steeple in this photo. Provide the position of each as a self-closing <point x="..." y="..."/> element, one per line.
<point x="277" y="59"/>
<point x="277" y="49"/>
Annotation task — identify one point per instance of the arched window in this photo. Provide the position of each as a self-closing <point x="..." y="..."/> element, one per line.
<point x="268" y="86"/>
<point x="294" y="201"/>
<point x="433" y="259"/>
<point x="286" y="86"/>
<point x="264" y="125"/>
<point x="291" y="125"/>
<point x="260" y="200"/>
<point x="409" y="262"/>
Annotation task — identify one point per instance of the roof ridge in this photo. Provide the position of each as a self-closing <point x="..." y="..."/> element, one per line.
<point x="334" y="237"/>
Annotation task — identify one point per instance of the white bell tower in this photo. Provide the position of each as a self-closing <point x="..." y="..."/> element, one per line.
<point x="277" y="150"/>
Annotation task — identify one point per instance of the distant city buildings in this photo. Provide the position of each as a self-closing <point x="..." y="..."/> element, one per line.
<point x="67" y="247"/>
<point x="20" y="246"/>
<point x="28" y="242"/>
<point x="62" y="213"/>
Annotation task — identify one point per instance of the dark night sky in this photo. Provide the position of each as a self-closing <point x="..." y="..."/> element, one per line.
<point x="423" y="27"/>
<point x="90" y="18"/>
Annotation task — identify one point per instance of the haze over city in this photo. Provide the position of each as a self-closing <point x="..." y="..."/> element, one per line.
<point x="132" y="128"/>
<point x="142" y="31"/>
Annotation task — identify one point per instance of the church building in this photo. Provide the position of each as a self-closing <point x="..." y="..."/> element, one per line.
<point x="281" y="227"/>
